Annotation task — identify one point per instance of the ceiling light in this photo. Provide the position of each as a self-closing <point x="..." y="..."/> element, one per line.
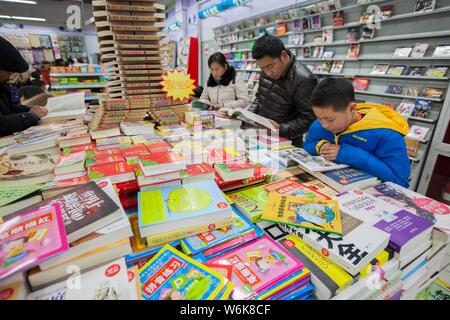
<point x="22" y="18"/>
<point x="20" y="1"/>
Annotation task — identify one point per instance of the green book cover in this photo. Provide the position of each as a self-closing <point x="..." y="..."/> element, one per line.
<point x="11" y="194"/>
<point x="250" y="201"/>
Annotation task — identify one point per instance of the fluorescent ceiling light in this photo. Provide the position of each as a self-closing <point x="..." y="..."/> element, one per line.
<point x="20" y="1"/>
<point x="23" y="18"/>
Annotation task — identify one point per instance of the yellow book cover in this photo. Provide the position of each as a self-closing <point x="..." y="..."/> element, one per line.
<point x="316" y="214"/>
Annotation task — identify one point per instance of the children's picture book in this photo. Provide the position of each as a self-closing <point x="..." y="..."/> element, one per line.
<point x="250" y="201"/>
<point x="334" y="5"/>
<point x="107" y="282"/>
<point x="442" y="51"/>
<point x="402" y="52"/>
<point x="396" y="70"/>
<point x="315" y="22"/>
<point x="386" y="11"/>
<point x="30" y="238"/>
<point x="171" y="208"/>
<point x="435" y="211"/>
<point x="361" y="84"/>
<point x="436" y="71"/>
<point x="422" y="109"/>
<point x="318" y="52"/>
<point x="315" y="214"/>
<point x="306" y="52"/>
<point x="337" y="66"/>
<point x="200" y="242"/>
<point x="171" y="275"/>
<point x="257" y="266"/>
<point x="406" y="107"/>
<point x="419" y="50"/>
<point x="418" y="132"/>
<point x="305" y="24"/>
<point x="338" y="19"/>
<point x="353" y="51"/>
<point x="326" y="66"/>
<point x="294" y="188"/>
<point x="380" y="69"/>
<point x="415" y="71"/>
<point x="393" y="89"/>
<point x="368" y="33"/>
<point x="432" y="92"/>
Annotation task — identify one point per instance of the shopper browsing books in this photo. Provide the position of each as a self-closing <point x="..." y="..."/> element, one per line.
<point x="284" y="89"/>
<point x="14" y="118"/>
<point x="365" y="136"/>
<point x="224" y="88"/>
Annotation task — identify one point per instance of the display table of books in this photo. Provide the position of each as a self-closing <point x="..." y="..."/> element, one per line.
<point x="199" y="211"/>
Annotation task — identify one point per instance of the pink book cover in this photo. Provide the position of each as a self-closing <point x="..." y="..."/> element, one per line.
<point x="258" y="265"/>
<point x="71" y="158"/>
<point x="31" y="238"/>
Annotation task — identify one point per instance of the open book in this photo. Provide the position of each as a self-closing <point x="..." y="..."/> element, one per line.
<point x="249" y="117"/>
<point x="64" y="107"/>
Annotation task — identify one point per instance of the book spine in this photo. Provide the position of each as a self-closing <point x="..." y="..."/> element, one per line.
<point x="231" y="244"/>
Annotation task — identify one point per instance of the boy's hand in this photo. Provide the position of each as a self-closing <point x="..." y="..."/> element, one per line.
<point x="323" y="146"/>
<point x="329" y="151"/>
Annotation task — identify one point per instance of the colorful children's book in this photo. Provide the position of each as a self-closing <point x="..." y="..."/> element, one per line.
<point x="118" y="172"/>
<point x="360" y="84"/>
<point x="178" y="207"/>
<point x="418" y="132"/>
<point x="315" y="214"/>
<point x="293" y="188"/>
<point x="406" y="108"/>
<point x="171" y="275"/>
<point x="98" y="161"/>
<point x="433" y="210"/>
<point x="235" y="171"/>
<point x="250" y="201"/>
<point x="412" y="147"/>
<point x="108" y="282"/>
<point x="422" y="108"/>
<point x="257" y="266"/>
<point x="200" y="242"/>
<point x="31" y="237"/>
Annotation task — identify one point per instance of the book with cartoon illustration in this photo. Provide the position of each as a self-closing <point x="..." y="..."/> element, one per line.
<point x="30" y="238"/>
<point x="185" y="206"/>
<point x="315" y="214"/>
<point x="206" y="240"/>
<point x="250" y="201"/>
<point x="171" y="275"/>
<point x="257" y="266"/>
<point x="107" y="282"/>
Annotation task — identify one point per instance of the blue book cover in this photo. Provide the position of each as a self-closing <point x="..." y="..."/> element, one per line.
<point x="170" y="204"/>
<point x="133" y="257"/>
<point x="206" y="240"/>
<point x="171" y="275"/>
<point x="347" y="175"/>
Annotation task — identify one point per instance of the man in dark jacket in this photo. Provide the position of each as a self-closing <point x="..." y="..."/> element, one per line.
<point x="284" y="89"/>
<point x="14" y="118"/>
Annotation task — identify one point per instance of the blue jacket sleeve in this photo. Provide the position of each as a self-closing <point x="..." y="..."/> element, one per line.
<point x="316" y="134"/>
<point x="389" y="162"/>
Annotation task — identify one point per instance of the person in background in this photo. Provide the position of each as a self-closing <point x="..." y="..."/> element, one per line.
<point x="45" y="74"/>
<point x="366" y="136"/>
<point x="225" y="89"/>
<point x="14" y="118"/>
<point x="285" y="86"/>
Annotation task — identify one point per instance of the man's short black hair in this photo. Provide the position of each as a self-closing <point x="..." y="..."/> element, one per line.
<point x="268" y="45"/>
<point x="333" y="92"/>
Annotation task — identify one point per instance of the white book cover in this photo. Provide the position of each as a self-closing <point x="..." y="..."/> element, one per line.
<point x="433" y="210"/>
<point x="311" y="163"/>
<point x="418" y="132"/>
<point x="108" y="282"/>
<point x="66" y="103"/>
<point x="358" y="245"/>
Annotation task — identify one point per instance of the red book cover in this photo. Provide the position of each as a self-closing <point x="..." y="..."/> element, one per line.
<point x="110" y="169"/>
<point x="220" y="155"/>
<point x="234" y="166"/>
<point x="82" y="147"/>
<point x="103" y="153"/>
<point x="127" y="187"/>
<point x="260" y="175"/>
<point x="158" y="146"/>
<point x="287" y="187"/>
<point x="198" y="169"/>
<point x="66" y="183"/>
<point x="160" y="158"/>
<point x="134" y="151"/>
<point x="98" y="161"/>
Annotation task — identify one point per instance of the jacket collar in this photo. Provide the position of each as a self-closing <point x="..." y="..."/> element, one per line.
<point x="227" y="77"/>
<point x="289" y="66"/>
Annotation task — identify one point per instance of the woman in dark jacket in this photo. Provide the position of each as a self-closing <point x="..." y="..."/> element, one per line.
<point x="14" y="118"/>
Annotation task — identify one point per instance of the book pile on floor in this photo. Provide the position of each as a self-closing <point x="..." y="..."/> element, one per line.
<point x="148" y="211"/>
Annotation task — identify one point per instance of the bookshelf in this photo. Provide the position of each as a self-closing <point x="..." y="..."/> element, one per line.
<point x="402" y="28"/>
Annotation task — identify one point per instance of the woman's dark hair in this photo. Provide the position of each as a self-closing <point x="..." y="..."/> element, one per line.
<point x="29" y="92"/>
<point x="219" y="58"/>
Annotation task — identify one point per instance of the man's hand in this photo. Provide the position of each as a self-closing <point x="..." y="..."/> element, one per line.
<point x="39" y="111"/>
<point x="275" y="124"/>
<point x="329" y="151"/>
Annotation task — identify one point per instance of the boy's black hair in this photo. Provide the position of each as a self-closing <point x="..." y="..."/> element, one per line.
<point x="333" y="92"/>
<point x="29" y="92"/>
<point x="218" y="57"/>
<point x="268" y="45"/>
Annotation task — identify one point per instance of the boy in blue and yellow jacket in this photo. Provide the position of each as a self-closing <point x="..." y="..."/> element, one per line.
<point x="365" y="136"/>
